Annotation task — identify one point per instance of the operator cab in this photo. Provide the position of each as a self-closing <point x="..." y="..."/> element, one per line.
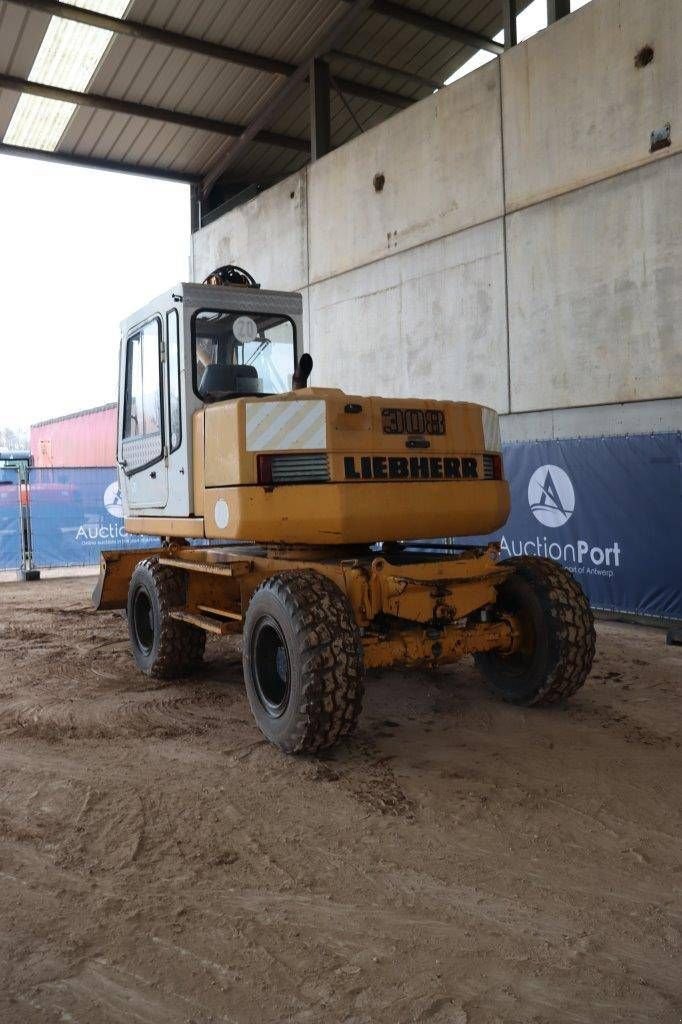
<point x="193" y="346"/>
<point x="242" y="353"/>
<point x="247" y="351"/>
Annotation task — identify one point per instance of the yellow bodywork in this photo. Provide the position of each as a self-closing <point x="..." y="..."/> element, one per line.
<point x="409" y="613"/>
<point x="310" y="480"/>
<point x="395" y="470"/>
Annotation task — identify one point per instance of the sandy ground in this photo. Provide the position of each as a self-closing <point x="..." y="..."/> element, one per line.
<point x="459" y="861"/>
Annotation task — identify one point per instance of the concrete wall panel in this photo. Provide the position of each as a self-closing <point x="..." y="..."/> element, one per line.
<point x="656" y="417"/>
<point x="267" y="236"/>
<point x="594" y="283"/>
<point x="575" y="107"/>
<point x="404" y="289"/>
<point x="427" y="323"/>
<point x="442" y="163"/>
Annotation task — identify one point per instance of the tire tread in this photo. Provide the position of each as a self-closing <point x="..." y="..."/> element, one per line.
<point x="570" y="624"/>
<point x="332" y="669"/>
<point x="181" y="646"/>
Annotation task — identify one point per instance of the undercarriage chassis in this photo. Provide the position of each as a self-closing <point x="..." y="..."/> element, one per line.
<point x="314" y="619"/>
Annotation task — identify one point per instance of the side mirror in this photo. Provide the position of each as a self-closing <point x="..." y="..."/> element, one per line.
<point x="302" y="372"/>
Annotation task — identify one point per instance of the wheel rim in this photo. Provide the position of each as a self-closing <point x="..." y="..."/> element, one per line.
<point x="271" y="667"/>
<point x="143" y="621"/>
<point x="522" y="604"/>
<point x="518" y="662"/>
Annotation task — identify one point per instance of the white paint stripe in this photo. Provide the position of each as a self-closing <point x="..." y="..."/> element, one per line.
<point x="277" y="426"/>
<point x="314" y="437"/>
<point x="256" y="432"/>
<point x="257" y="415"/>
<point x="313" y="433"/>
<point x="257" y="412"/>
<point x="309" y="420"/>
<point x="286" y="438"/>
<point x="491" y="429"/>
<point x="271" y="436"/>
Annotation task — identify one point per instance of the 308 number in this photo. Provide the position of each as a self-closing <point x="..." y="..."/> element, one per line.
<point x="413" y="421"/>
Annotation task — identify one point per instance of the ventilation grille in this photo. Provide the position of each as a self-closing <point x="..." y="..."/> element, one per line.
<point x="488" y="467"/>
<point x="300" y="469"/>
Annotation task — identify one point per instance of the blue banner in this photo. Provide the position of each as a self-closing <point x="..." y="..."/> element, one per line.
<point x="10" y="518"/>
<point x="75" y="514"/>
<point x="609" y="509"/>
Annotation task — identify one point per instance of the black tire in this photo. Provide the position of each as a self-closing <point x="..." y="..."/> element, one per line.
<point x="558" y="640"/>
<point x="303" y="663"/>
<point x="162" y="647"/>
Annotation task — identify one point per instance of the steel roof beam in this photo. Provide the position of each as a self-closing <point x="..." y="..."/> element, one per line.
<point x="96" y="163"/>
<point x="191" y="44"/>
<point x="151" y="34"/>
<point x="387" y="69"/>
<point x="370" y="92"/>
<point x="206" y="124"/>
<point x="336" y="36"/>
<point x="435" y="25"/>
<point x="557" y="9"/>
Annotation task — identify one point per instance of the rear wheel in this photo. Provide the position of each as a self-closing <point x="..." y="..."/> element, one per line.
<point x="557" y="640"/>
<point x="162" y="647"/>
<point x="303" y="663"/>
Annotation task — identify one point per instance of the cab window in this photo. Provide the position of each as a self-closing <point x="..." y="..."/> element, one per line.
<point x="142" y="415"/>
<point x="238" y="353"/>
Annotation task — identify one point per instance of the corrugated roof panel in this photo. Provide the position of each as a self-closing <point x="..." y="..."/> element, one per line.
<point x="94" y="127"/>
<point x="21" y="33"/>
<point x="157" y="75"/>
<point x="69" y="54"/>
<point x="196" y="158"/>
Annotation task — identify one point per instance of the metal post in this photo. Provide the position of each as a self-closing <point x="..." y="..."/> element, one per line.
<point x="195" y="207"/>
<point x="28" y="569"/>
<point x="509" y="11"/>
<point x="557" y="9"/>
<point x="320" y="111"/>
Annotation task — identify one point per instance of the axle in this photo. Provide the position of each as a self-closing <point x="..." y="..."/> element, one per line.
<point x="411" y="647"/>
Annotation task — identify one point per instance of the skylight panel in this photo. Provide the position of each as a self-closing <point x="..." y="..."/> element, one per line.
<point x="68" y="58"/>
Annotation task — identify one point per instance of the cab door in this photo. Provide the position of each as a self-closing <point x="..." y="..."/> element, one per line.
<point x="177" y="439"/>
<point x="143" y="450"/>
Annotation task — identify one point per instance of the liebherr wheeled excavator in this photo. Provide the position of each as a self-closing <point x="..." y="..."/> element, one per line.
<point x="285" y="512"/>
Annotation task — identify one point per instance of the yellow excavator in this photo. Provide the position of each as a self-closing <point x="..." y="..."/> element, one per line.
<point x="294" y="515"/>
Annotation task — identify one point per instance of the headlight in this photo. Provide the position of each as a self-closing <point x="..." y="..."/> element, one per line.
<point x="491" y="430"/>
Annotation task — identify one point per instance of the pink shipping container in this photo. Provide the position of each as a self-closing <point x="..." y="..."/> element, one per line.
<point x="85" y="438"/>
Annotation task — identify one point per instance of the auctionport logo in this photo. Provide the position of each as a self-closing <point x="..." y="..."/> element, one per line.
<point x="112" y="500"/>
<point x="98" y="530"/>
<point x="551" y="496"/>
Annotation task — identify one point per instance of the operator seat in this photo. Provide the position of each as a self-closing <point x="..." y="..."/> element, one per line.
<point x="220" y="380"/>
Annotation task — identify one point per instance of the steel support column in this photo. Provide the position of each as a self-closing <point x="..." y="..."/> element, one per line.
<point x="336" y="35"/>
<point x="195" y="207"/>
<point x="320" y="110"/>
<point x="509" y="10"/>
<point x="557" y="9"/>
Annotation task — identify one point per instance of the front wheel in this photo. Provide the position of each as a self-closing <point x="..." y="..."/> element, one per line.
<point x="162" y="647"/>
<point x="303" y="662"/>
<point x="557" y="641"/>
